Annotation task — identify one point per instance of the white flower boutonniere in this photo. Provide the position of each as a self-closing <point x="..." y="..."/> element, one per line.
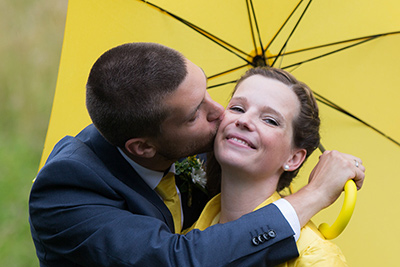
<point x="191" y="172"/>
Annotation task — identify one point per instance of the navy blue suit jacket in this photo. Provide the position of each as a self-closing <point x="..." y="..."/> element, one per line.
<point x="88" y="207"/>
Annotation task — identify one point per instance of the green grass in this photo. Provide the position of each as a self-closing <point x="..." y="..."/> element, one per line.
<point x="30" y="48"/>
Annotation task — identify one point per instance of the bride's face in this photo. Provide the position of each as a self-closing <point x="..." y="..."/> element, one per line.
<point x="256" y="133"/>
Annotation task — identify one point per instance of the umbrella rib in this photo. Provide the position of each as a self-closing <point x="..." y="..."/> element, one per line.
<point x="329" y="103"/>
<point x="329" y="53"/>
<point x="292" y="32"/>
<point x="216" y="40"/>
<point x="203" y="32"/>
<point x="225" y="72"/>
<point x="341" y="42"/>
<point x="251" y="27"/>
<point x="283" y="25"/>
<point x="257" y="28"/>
<point x="221" y="84"/>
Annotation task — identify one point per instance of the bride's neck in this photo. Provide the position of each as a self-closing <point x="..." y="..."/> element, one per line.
<point x="241" y="195"/>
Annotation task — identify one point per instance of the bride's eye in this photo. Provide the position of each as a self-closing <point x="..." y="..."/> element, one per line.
<point x="237" y="109"/>
<point x="271" y="121"/>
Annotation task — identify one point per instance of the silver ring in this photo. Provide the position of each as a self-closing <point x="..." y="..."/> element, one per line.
<point x="356" y="162"/>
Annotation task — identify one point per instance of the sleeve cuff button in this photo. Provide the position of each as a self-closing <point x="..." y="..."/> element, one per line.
<point x="271" y="233"/>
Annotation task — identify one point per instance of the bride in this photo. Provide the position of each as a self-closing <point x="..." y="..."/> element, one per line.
<point x="270" y="127"/>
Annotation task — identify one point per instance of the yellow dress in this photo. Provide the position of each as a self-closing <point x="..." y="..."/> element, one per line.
<point x="314" y="249"/>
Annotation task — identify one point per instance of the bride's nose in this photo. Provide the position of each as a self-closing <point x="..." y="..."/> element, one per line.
<point x="245" y="122"/>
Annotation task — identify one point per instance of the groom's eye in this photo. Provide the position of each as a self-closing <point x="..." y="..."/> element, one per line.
<point x="196" y="115"/>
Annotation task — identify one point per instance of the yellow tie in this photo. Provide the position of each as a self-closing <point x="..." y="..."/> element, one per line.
<point x="167" y="190"/>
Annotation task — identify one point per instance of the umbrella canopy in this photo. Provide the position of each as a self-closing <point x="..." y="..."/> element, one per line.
<point x="346" y="51"/>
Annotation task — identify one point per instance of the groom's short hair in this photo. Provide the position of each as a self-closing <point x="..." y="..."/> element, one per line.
<point x="126" y="88"/>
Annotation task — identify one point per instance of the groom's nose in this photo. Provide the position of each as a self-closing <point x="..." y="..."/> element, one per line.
<point x="215" y="110"/>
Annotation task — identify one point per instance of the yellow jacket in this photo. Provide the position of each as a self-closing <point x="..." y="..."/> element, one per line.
<point x="314" y="249"/>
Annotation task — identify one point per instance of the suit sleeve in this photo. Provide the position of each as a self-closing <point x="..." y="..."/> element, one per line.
<point x="81" y="218"/>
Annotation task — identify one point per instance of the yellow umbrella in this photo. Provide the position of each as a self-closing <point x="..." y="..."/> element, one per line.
<point x="347" y="51"/>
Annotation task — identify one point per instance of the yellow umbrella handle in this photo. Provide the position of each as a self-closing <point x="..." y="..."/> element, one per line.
<point x="350" y="197"/>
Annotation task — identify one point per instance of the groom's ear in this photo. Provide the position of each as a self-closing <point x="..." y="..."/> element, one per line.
<point x="297" y="158"/>
<point x="141" y="147"/>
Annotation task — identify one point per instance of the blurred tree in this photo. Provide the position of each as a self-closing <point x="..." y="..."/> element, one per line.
<point x="30" y="48"/>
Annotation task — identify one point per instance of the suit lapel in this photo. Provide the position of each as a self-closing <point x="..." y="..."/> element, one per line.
<point x="123" y="171"/>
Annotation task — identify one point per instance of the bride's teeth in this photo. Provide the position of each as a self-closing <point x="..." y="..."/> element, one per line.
<point x="240" y="141"/>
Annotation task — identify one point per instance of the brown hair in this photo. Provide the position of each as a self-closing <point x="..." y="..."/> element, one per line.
<point x="126" y="86"/>
<point x="305" y="125"/>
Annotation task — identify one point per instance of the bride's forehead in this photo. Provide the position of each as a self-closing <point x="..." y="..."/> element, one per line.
<point x="263" y="92"/>
<point x="258" y="85"/>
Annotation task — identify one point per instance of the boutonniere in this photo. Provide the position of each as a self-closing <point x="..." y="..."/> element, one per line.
<point x="191" y="172"/>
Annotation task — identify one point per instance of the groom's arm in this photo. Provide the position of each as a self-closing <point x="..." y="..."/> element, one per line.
<point x="79" y="217"/>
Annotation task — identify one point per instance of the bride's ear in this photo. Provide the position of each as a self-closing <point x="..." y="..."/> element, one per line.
<point x="140" y="147"/>
<point x="296" y="159"/>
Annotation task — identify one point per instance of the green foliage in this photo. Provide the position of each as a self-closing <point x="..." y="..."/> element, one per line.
<point x="30" y="48"/>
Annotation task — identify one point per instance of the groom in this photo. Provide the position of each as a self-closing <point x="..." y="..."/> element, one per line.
<point x="95" y="202"/>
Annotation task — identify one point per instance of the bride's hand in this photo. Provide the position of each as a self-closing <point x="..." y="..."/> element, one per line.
<point x="331" y="173"/>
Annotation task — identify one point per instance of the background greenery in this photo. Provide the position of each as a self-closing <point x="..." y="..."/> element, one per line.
<point x="31" y="35"/>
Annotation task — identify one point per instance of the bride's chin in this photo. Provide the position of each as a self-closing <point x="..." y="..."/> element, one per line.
<point x="230" y="161"/>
